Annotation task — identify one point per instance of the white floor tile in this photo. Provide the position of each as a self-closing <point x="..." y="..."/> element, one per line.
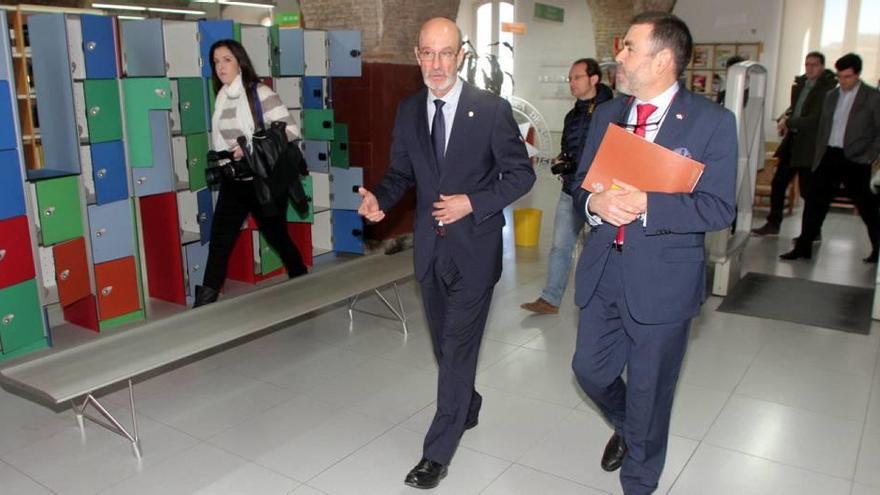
<point x="694" y="410"/>
<point x="822" y="348"/>
<point x="859" y="489"/>
<point x="714" y="368"/>
<point x="380" y="467"/>
<point x="307" y="490"/>
<point x="521" y="480"/>
<point x="723" y="472"/>
<point x="204" y="469"/>
<point x="868" y="467"/>
<point x="788" y="435"/>
<point x="23" y="422"/>
<point x="15" y="482"/>
<point x="536" y="374"/>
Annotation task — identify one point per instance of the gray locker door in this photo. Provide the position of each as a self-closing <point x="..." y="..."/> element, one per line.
<point x="343" y="187"/>
<point x="111" y="231"/>
<point x="141" y="56"/>
<point x="175" y="107"/>
<point x="317" y="156"/>
<point x="344" y="52"/>
<point x="320" y="190"/>
<point x="75" y="47"/>
<point x="292" y="57"/>
<point x="182" y="56"/>
<point x="178" y="153"/>
<point x="289" y="89"/>
<point x="255" y="40"/>
<point x="196" y="257"/>
<point x="158" y="178"/>
<point x="315" y="44"/>
<point x="79" y="106"/>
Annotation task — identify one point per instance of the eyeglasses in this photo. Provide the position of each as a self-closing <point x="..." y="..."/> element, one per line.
<point x="430" y="55"/>
<point x="647" y="126"/>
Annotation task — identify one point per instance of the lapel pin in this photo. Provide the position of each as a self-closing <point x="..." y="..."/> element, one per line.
<point x="679" y="116"/>
<point x="470" y="113"/>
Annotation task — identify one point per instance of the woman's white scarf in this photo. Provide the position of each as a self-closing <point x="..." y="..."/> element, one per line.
<point x="235" y="92"/>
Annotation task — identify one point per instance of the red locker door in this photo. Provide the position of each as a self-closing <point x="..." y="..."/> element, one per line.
<point x="116" y="282"/>
<point x="71" y="271"/>
<point x="301" y="235"/>
<point x="162" y="251"/>
<point x="16" y="257"/>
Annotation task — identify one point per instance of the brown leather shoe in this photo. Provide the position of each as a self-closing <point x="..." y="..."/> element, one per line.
<point x="540" y="306"/>
<point x="766" y="229"/>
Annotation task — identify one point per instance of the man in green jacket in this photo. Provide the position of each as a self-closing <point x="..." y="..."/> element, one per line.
<point x="799" y="125"/>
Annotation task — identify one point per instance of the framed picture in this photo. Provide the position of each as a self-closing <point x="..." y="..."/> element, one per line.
<point x="702" y="56"/>
<point x="722" y="54"/>
<point x="685" y="80"/>
<point x="749" y="51"/>
<point x="701" y="81"/>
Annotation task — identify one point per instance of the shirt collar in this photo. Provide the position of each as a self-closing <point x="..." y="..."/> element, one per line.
<point x="662" y="100"/>
<point x="850" y="92"/>
<point x="450" y="99"/>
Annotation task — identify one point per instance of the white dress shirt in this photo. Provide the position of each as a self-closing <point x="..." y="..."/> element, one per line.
<point x="662" y="102"/>
<point x="841" y="116"/>
<point x="450" y="101"/>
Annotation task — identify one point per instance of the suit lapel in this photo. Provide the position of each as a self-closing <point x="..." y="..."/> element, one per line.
<point x="676" y="119"/>
<point x="851" y="124"/>
<point x="461" y="126"/>
<point x="423" y="134"/>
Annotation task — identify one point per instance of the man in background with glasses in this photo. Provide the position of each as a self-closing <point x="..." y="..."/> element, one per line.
<point x="584" y="82"/>
<point x="461" y="149"/>
<point x="641" y="276"/>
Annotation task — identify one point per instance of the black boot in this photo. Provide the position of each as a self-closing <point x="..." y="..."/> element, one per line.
<point x="205" y="295"/>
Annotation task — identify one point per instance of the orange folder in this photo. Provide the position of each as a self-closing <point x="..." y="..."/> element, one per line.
<point x="650" y="167"/>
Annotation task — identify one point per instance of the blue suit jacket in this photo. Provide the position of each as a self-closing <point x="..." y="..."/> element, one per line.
<point x="485" y="159"/>
<point x="663" y="262"/>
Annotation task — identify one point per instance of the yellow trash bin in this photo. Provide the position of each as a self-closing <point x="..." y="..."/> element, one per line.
<point x="526" y="226"/>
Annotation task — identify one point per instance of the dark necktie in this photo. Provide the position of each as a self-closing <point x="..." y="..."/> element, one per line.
<point x="643" y="111"/>
<point x="438" y="131"/>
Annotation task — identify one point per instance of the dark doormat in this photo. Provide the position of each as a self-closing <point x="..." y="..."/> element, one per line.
<point x="839" y="307"/>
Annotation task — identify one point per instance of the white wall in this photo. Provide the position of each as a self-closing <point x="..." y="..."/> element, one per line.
<point x="545" y="53"/>
<point x="746" y="21"/>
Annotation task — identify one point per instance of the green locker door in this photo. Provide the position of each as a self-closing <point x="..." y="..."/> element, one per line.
<point x="192" y="105"/>
<point x="21" y="321"/>
<point x="339" y="146"/>
<point x="196" y="160"/>
<point x="143" y="94"/>
<point x="307" y="216"/>
<point x="274" y="51"/>
<point x="102" y="110"/>
<point x="318" y="125"/>
<point x="269" y="259"/>
<point x="60" y="209"/>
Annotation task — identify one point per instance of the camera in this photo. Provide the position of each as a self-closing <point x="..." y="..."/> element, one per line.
<point x="231" y="170"/>
<point x="564" y="165"/>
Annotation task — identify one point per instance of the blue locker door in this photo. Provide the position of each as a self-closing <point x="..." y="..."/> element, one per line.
<point x="316" y="155"/>
<point x="158" y="178"/>
<point x="108" y="168"/>
<point x="348" y="232"/>
<point x="313" y="92"/>
<point x="54" y="87"/>
<point x="99" y="47"/>
<point x="196" y="257"/>
<point x="111" y="231"/>
<point x="7" y="122"/>
<point x="206" y="214"/>
<point x="344" y="52"/>
<point x="209" y="32"/>
<point x="344" y="183"/>
<point x="11" y="185"/>
<point x="292" y="56"/>
<point x="142" y="53"/>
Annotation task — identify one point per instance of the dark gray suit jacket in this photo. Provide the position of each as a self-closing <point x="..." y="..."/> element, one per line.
<point x="861" y="140"/>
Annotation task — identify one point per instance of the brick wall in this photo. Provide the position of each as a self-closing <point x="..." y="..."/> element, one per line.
<point x="611" y="18"/>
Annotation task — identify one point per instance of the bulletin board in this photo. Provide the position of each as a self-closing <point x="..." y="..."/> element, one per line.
<point x="706" y="73"/>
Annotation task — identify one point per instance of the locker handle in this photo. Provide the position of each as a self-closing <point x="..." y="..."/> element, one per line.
<point x="322" y="156"/>
<point x="357" y="232"/>
<point x="107" y="290"/>
<point x="185" y="106"/>
<point x="101" y="173"/>
<point x="316" y="93"/>
<point x="355" y="53"/>
<point x="100" y="232"/>
<point x="343" y="146"/>
<point x="141" y="180"/>
<point x="196" y="268"/>
<point x="64" y="275"/>
<point x="355" y="188"/>
<point x="91" y="45"/>
<point x="94" y="111"/>
<point x="202" y="217"/>
<point x="72" y="66"/>
<point x="200" y="62"/>
<point x="193" y="162"/>
<point x="49" y="211"/>
<point x="160" y="92"/>
<point x="326" y="124"/>
<point x="2" y="254"/>
<point x="7" y="320"/>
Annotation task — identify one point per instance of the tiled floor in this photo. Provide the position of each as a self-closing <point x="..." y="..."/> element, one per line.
<point x="322" y="407"/>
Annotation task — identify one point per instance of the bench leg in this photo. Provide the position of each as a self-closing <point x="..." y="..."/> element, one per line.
<point x="114" y="425"/>
<point x="399" y="313"/>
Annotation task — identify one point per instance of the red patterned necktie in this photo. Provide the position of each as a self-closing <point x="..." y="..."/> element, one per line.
<point x="643" y="111"/>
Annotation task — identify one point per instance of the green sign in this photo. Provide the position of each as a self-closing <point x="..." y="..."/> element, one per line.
<point x="287" y="19"/>
<point x="549" y="12"/>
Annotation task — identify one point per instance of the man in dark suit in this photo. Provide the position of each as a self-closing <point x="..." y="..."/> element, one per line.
<point x="641" y="276"/>
<point x="799" y="125"/>
<point x="847" y="143"/>
<point x="461" y="149"/>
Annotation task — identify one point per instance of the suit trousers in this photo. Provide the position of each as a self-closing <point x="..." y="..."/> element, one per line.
<point x="456" y="314"/>
<point x="779" y="185"/>
<point x="609" y="340"/>
<point x="237" y="199"/>
<point x="833" y="170"/>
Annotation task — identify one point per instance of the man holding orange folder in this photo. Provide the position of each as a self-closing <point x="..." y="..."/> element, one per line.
<point x="641" y="276"/>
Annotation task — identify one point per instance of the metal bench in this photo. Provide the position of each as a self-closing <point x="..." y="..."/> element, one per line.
<point x="77" y="373"/>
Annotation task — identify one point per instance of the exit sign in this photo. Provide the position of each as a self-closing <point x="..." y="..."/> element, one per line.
<point x="549" y="12"/>
<point x="287" y="19"/>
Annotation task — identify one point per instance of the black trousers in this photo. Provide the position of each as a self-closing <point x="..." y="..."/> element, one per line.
<point x="781" y="179"/>
<point x="237" y="199"/>
<point x="456" y="314"/>
<point x="834" y="170"/>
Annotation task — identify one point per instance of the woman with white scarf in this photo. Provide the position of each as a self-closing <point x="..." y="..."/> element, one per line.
<point x="234" y="115"/>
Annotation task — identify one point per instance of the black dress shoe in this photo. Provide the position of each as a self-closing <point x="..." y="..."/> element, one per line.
<point x="615" y="451"/>
<point x="426" y="474"/>
<point x="472" y="423"/>
<point x="795" y="254"/>
<point x="872" y="258"/>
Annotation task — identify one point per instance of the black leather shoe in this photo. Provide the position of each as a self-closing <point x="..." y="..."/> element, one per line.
<point x="795" y="254"/>
<point x="204" y="295"/>
<point x="615" y="451"/>
<point x="472" y="423"/>
<point x="426" y="474"/>
<point x="872" y="258"/>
